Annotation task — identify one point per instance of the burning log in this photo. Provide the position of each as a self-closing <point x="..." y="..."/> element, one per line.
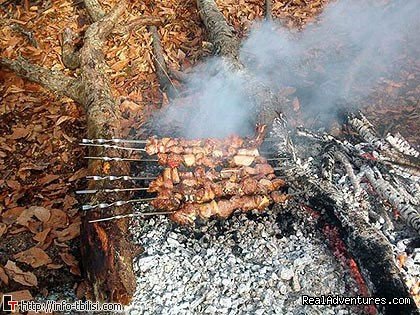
<point x="348" y="211"/>
<point x="400" y="202"/>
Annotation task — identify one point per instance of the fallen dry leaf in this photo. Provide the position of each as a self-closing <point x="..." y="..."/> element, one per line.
<point x="68" y="202"/>
<point x="26" y="216"/>
<point x="19" y="133"/>
<point x="22" y="295"/>
<point x="34" y="256"/>
<point x="63" y="119"/>
<point x="3" y="228"/>
<point x="58" y="219"/>
<point x="18" y="275"/>
<point x="41" y="213"/>
<point x="79" y="174"/>
<point x="11" y="215"/>
<point x="54" y="266"/>
<point x="14" y="184"/>
<point x="72" y="262"/>
<point x="69" y="233"/>
<point x="3" y="276"/>
<point x="48" y="179"/>
<point x="41" y="236"/>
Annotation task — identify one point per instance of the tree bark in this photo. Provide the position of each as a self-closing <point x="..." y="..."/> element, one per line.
<point x="107" y="251"/>
<point x="106" y="247"/>
<point x="159" y="62"/>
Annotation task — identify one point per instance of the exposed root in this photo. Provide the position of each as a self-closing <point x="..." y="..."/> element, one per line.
<point x="94" y="9"/>
<point x="159" y="62"/>
<point x="224" y="41"/>
<point x="69" y="53"/>
<point x="52" y="80"/>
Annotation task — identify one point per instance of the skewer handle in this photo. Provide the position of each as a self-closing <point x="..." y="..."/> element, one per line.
<point x="94" y="191"/>
<point x="115" y="204"/>
<point x="113" y="140"/>
<point x="131" y="215"/>
<point x="110" y="146"/>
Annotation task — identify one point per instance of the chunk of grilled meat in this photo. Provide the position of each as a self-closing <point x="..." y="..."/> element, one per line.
<point x="202" y="190"/>
<point x="171" y="176"/>
<point x="222" y="208"/>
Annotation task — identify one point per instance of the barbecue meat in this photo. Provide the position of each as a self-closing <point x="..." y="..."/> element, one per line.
<point x="223" y="208"/>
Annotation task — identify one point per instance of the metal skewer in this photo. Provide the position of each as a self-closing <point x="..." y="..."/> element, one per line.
<point x="131" y="215"/>
<point x="110" y="146"/>
<point x="107" y="158"/>
<point x="114" y="140"/>
<point x="94" y="191"/>
<point x="115" y="204"/>
<point x="123" y="177"/>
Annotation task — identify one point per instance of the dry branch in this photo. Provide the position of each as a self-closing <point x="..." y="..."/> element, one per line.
<point x="159" y="62"/>
<point x="52" y="80"/>
<point x="224" y="41"/>
<point x="106" y="247"/>
<point x="226" y="44"/>
<point x="69" y="53"/>
<point x="268" y="10"/>
<point x="94" y="9"/>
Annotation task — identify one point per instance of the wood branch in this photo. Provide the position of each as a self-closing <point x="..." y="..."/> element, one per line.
<point x="371" y="249"/>
<point x="69" y="53"/>
<point x="106" y="246"/>
<point x="143" y="21"/>
<point x="52" y="80"/>
<point x="224" y="41"/>
<point x="94" y="9"/>
<point x="25" y="32"/>
<point x="366" y="130"/>
<point x="268" y="10"/>
<point x="226" y="45"/>
<point x="159" y="62"/>
<point x="387" y="191"/>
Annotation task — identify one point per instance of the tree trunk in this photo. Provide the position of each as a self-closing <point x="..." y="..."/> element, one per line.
<point x="107" y="251"/>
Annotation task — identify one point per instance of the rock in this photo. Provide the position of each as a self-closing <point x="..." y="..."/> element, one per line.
<point x="283" y="289"/>
<point x="226" y="302"/>
<point x="286" y="274"/>
<point x="295" y="284"/>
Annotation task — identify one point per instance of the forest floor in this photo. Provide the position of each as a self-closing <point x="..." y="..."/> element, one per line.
<point x="41" y="164"/>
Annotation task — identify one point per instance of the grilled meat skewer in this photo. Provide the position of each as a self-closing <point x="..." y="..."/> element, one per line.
<point x="223" y="208"/>
<point x="171" y="199"/>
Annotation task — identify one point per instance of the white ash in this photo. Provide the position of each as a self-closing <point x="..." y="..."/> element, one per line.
<point x="239" y="266"/>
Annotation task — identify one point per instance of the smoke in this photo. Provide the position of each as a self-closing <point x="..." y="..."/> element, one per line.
<point x="338" y="60"/>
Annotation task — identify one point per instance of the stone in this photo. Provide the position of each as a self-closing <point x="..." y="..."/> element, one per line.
<point x="286" y="274"/>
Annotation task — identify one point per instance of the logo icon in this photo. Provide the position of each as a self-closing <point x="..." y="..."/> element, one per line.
<point x="9" y="305"/>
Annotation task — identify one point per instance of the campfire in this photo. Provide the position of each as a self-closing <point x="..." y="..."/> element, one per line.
<point x="342" y="179"/>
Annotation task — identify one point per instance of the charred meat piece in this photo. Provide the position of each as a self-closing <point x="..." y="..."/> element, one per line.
<point x="222" y="208"/>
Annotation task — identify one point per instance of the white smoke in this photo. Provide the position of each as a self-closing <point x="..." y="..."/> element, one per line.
<point x="341" y="57"/>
